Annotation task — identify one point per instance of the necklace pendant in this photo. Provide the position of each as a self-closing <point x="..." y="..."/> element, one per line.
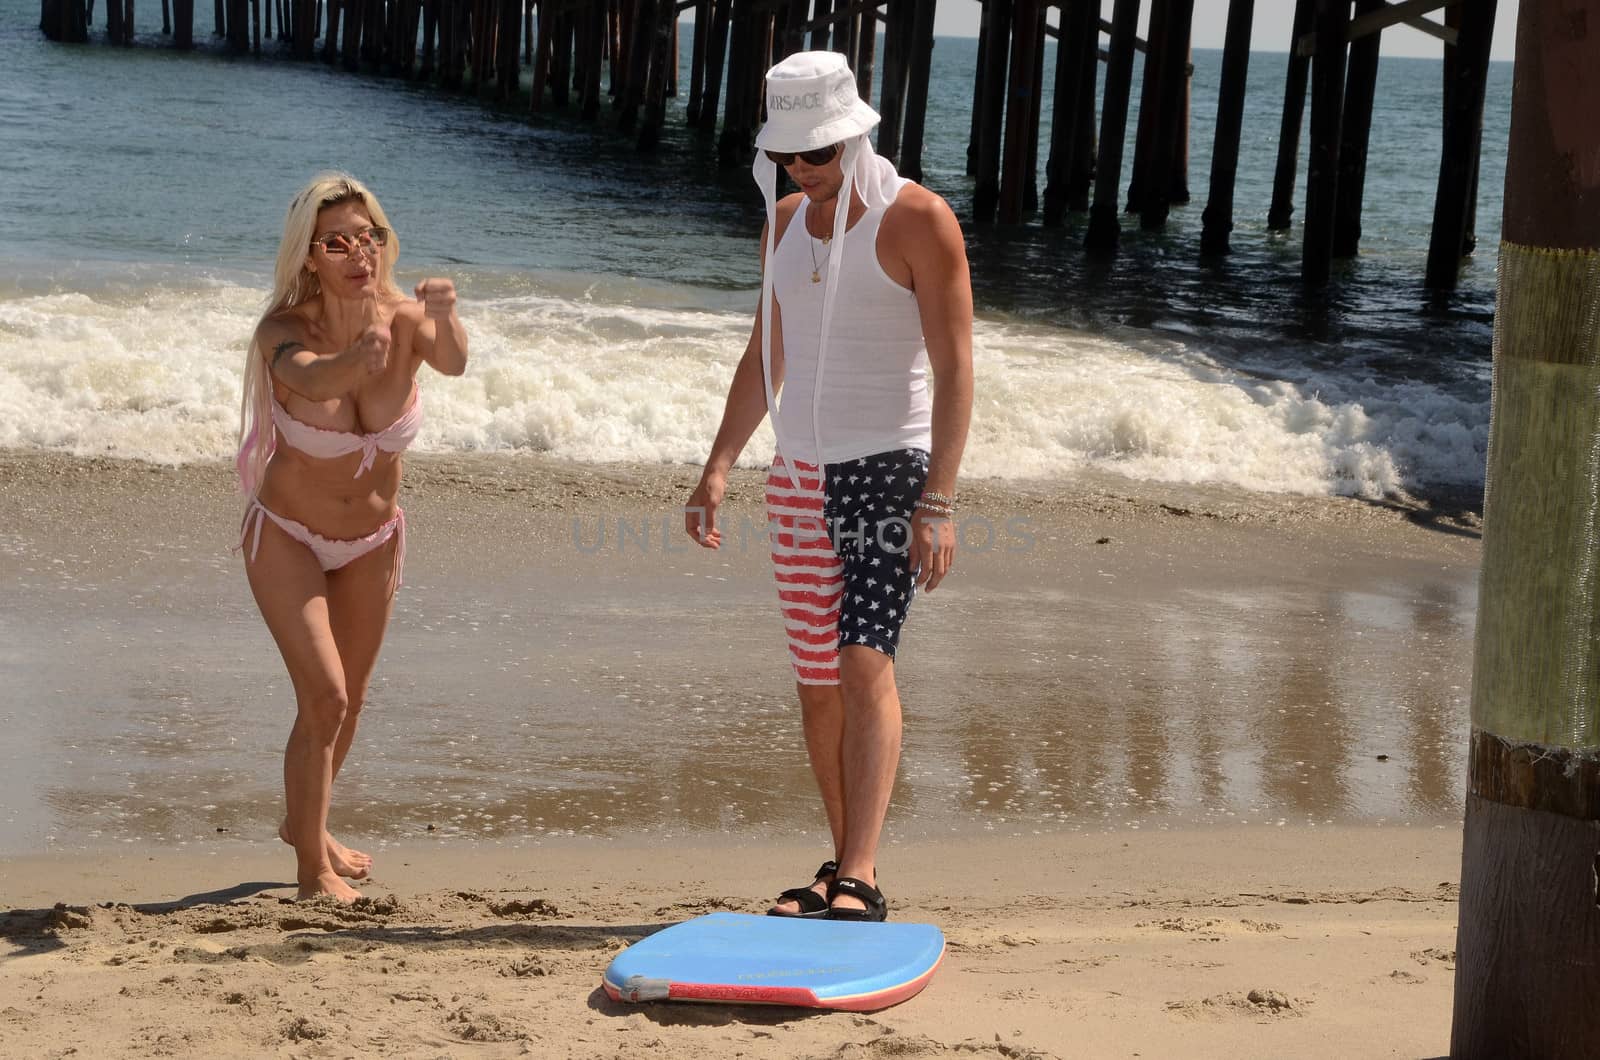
<point x="816" y="276"/>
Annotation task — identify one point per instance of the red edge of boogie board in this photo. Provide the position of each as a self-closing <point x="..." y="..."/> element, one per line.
<point x="795" y="997"/>
<point x="756" y="960"/>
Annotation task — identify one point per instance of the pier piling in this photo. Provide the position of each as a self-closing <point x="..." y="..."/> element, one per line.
<point x="1104" y="231"/>
<point x="1217" y="220"/>
<point x="629" y="50"/>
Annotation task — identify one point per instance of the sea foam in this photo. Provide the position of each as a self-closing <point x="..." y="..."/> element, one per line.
<point x="606" y="373"/>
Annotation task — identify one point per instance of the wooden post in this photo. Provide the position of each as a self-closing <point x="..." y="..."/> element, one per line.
<point x="1172" y="119"/>
<point x="917" y="101"/>
<point x="986" y="196"/>
<point x="372" y="25"/>
<point x="697" y="61"/>
<point x="897" y="48"/>
<point x="1103" y="233"/>
<point x="716" y="55"/>
<point x="1529" y="918"/>
<point x="239" y="26"/>
<point x="459" y="13"/>
<point x="351" y="42"/>
<point x="852" y="37"/>
<point x="866" y="52"/>
<point x="430" y="31"/>
<point x="1150" y="93"/>
<point x="1080" y="178"/>
<point x="820" y="35"/>
<point x="267" y="16"/>
<point x="1463" y="130"/>
<point x="640" y="39"/>
<point x="1294" y="106"/>
<point x="541" y="57"/>
<point x="255" y="24"/>
<point x="508" y="68"/>
<point x="1452" y="20"/>
<point x="1019" y="109"/>
<point x="1030" y="170"/>
<point x="1069" y="56"/>
<point x="787" y="17"/>
<point x="979" y="75"/>
<point x="675" y="58"/>
<point x="561" y="80"/>
<point x="114" y="21"/>
<point x="591" y="38"/>
<point x="183" y="24"/>
<point x="330" y="32"/>
<point x="616" y="44"/>
<point x="481" y="42"/>
<point x="664" y="17"/>
<point x="221" y="23"/>
<point x="1322" y="170"/>
<point x="737" y="124"/>
<point x="1360" y="90"/>
<point x="1217" y="220"/>
<point x="1178" y="188"/>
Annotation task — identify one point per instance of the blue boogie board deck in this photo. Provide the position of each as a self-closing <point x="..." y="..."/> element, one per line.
<point x="768" y="960"/>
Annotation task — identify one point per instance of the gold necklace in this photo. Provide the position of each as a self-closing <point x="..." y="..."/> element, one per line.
<point x="811" y="241"/>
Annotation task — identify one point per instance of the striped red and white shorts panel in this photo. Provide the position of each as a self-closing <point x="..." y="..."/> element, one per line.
<point x="809" y="573"/>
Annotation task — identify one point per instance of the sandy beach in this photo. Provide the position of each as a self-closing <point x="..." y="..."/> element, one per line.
<point x="1182" y="774"/>
<point x="1263" y="942"/>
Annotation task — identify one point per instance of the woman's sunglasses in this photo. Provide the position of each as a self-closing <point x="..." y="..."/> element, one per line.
<point x="366" y="241"/>
<point x="819" y="156"/>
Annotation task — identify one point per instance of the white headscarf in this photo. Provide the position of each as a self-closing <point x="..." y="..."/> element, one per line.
<point x="876" y="181"/>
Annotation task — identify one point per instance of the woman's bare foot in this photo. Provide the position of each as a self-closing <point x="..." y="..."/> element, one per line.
<point x="328" y="883"/>
<point x="344" y="861"/>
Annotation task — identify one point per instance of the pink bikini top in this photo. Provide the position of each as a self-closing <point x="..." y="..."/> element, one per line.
<point x="328" y="445"/>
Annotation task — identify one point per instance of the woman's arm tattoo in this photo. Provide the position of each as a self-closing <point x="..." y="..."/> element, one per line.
<point x="282" y="348"/>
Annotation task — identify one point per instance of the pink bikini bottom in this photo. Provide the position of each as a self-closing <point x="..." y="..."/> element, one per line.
<point x="331" y="553"/>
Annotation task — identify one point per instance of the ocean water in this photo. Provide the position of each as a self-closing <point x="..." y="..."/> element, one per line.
<point x="609" y="293"/>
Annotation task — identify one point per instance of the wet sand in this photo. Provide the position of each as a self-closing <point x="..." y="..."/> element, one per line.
<point x="1120" y="656"/>
<point x="1142" y="724"/>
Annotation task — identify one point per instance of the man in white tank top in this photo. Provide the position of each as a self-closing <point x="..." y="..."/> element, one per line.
<point x="865" y="290"/>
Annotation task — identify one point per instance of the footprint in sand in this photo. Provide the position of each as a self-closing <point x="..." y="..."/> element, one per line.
<point x="1256" y="1005"/>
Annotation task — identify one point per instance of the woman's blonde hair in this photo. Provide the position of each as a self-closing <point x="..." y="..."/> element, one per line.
<point x="293" y="283"/>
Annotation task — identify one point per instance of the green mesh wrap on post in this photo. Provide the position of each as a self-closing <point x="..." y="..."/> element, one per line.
<point x="1536" y="674"/>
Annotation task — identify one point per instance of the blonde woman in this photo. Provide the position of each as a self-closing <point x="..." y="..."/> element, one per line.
<point x="330" y="403"/>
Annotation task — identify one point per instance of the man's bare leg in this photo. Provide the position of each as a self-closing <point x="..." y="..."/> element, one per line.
<point x="870" y="755"/>
<point x="822" y="716"/>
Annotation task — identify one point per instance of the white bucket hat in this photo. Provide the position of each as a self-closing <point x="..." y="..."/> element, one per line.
<point x="812" y="102"/>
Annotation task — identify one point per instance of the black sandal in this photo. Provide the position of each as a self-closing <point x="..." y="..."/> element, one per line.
<point x="813" y="906"/>
<point x="877" y="910"/>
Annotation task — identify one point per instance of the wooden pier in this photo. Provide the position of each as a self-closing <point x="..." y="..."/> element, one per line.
<point x="618" y="61"/>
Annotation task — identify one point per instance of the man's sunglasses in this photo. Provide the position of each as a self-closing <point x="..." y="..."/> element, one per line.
<point x="366" y="241"/>
<point x="819" y="156"/>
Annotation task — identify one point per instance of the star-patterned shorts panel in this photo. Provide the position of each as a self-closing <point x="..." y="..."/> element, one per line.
<point x="868" y="508"/>
<point x="839" y="555"/>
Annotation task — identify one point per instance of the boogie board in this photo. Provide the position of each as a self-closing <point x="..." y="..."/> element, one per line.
<point x="769" y="960"/>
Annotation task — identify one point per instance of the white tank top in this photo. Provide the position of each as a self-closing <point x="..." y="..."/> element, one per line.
<point x="874" y="384"/>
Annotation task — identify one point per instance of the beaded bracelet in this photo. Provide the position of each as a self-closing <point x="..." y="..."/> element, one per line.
<point x="939" y="498"/>
<point x="936" y="509"/>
